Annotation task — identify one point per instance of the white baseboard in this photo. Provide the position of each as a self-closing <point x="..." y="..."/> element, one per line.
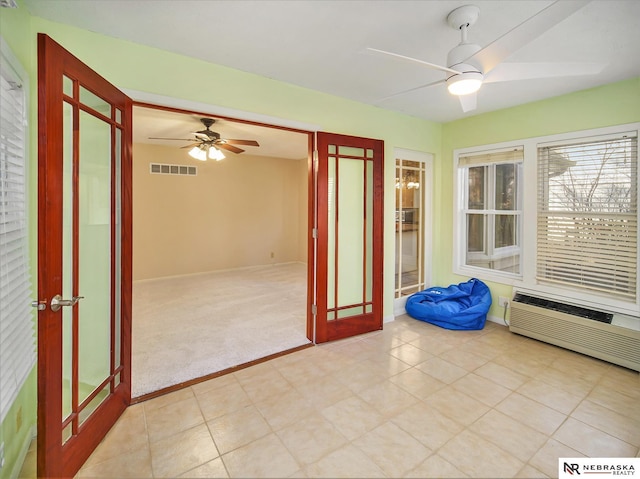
<point x="17" y="467"/>
<point x="497" y="320"/>
<point x="493" y="319"/>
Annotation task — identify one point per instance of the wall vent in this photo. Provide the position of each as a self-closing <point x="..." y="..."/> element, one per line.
<point x="163" y="169"/>
<point x="560" y="325"/>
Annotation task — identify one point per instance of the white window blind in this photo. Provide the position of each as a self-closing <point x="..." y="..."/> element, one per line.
<point x="17" y="345"/>
<point x="512" y="155"/>
<point x="587" y="223"/>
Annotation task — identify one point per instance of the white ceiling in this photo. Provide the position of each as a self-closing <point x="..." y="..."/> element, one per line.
<point x="320" y="44"/>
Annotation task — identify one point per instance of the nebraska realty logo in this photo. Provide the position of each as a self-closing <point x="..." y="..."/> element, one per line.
<point x="594" y="467"/>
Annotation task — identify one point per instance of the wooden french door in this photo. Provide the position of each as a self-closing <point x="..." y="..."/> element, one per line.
<point x="350" y="236"/>
<point x="84" y="259"/>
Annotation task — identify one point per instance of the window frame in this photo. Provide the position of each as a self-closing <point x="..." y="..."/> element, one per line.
<point x="527" y="280"/>
<point x="461" y="210"/>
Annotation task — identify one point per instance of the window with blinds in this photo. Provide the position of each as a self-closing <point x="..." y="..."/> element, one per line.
<point x="17" y="344"/>
<point x="587" y="220"/>
<point x="492" y="210"/>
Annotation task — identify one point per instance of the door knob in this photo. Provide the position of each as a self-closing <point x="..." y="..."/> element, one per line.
<point x="57" y="302"/>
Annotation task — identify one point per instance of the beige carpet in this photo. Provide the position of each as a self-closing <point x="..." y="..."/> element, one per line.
<point x="190" y="326"/>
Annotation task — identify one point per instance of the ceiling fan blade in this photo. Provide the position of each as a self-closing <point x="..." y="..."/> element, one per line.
<point x="439" y="82"/>
<point x="530" y="71"/>
<point x="242" y="142"/>
<point x="415" y="60"/>
<point x="190" y="146"/>
<point x="231" y="148"/>
<point x="529" y="30"/>
<point x="176" y="139"/>
<point x="468" y="102"/>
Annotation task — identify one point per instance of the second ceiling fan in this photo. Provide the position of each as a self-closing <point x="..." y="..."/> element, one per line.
<point x="208" y="143"/>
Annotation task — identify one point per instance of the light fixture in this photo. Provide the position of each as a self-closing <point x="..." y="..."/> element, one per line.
<point x="201" y="152"/>
<point x="198" y="153"/>
<point x="465" y="82"/>
<point x="215" y="154"/>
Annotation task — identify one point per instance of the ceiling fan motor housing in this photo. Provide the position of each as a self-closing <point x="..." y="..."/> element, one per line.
<point x="460" y="54"/>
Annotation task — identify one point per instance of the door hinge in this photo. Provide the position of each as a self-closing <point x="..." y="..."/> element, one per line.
<point x="315" y="155"/>
<point x="314" y="309"/>
<point x="314" y="233"/>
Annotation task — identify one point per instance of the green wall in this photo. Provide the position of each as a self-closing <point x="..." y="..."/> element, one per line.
<point x="612" y="104"/>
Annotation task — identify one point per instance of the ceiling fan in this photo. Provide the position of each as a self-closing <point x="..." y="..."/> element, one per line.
<point x="208" y="143"/>
<point x="470" y="65"/>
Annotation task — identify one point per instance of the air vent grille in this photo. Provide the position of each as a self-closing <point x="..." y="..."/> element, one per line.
<point x="594" y="338"/>
<point x="564" y="308"/>
<point x="164" y="169"/>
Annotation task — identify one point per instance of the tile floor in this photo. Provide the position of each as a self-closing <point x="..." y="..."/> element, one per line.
<point x="413" y="400"/>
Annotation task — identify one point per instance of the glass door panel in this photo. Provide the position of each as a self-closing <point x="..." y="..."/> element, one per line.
<point x="67" y="262"/>
<point x="350" y="235"/>
<point x="409" y="218"/>
<point x="349" y="269"/>
<point x="94" y="257"/>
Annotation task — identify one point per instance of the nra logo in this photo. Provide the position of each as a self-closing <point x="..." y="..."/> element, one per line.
<point x="572" y="468"/>
<point x="598" y="467"/>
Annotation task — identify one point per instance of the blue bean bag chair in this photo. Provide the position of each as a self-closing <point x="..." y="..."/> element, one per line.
<point x="460" y="306"/>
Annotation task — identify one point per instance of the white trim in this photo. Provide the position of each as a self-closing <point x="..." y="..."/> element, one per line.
<point x="389" y="318"/>
<point x="22" y="454"/>
<point x="498" y="320"/>
<point x="399" y="305"/>
<point x="427" y="260"/>
<point x="182" y="104"/>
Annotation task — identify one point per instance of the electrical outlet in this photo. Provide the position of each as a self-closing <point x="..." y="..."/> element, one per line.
<point x="503" y="301"/>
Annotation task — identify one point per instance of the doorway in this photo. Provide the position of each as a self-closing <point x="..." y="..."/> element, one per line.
<point x="413" y="187"/>
<point x="73" y="98"/>
<point x="220" y="248"/>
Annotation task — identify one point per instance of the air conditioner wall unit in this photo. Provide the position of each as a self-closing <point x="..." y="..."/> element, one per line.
<point x="550" y="322"/>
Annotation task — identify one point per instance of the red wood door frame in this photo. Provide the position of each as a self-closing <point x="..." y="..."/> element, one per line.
<point x="330" y="323"/>
<point x="56" y="459"/>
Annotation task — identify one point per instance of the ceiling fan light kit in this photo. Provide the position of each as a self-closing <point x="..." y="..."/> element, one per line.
<point x="465" y="83"/>
<point x="198" y="153"/>
<point x="202" y="152"/>
<point x="215" y="154"/>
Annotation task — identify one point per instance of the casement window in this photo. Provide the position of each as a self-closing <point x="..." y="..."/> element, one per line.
<point x="17" y="344"/>
<point x="587" y="220"/>
<point x="490" y="218"/>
